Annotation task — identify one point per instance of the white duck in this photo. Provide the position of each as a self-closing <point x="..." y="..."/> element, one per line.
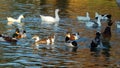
<point x="103" y="17"/>
<point x="49" y="19"/>
<point x="10" y="19"/>
<point x="83" y="18"/>
<point x="93" y="23"/>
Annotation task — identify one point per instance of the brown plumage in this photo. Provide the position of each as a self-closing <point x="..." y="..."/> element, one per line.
<point x="48" y="40"/>
<point x="71" y="37"/>
<point x="106" y="35"/>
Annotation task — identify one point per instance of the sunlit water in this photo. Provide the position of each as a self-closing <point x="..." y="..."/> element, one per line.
<point x="23" y="54"/>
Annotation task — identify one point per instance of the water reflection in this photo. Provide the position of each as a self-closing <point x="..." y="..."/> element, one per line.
<point x="106" y="37"/>
<point x="71" y="49"/>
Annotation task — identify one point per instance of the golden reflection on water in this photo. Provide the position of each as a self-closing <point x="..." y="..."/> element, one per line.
<point x="80" y="7"/>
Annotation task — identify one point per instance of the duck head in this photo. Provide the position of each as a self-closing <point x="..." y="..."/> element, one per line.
<point x="110" y="22"/>
<point x="36" y="38"/>
<point x="68" y="34"/>
<point x="67" y="38"/>
<point x="98" y="33"/>
<point x="21" y="16"/>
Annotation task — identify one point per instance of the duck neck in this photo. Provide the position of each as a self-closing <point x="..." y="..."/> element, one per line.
<point x="37" y="39"/>
<point x="96" y="14"/>
<point x="87" y="15"/>
<point x="56" y="15"/>
<point x="98" y="21"/>
<point x="19" y="19"/>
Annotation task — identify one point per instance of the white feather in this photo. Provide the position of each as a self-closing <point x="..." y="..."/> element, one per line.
<point x="84" y="18"/>
<point x="49" y="19"/>
<point x="10" y="19"/>
<point x="91" y="23"/>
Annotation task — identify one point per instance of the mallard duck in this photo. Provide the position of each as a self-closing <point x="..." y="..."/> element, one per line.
<point x="18" y="34"/>
<point x="71" y="37"/>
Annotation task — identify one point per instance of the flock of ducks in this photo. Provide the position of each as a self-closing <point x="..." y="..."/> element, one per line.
<point x="16" y="36"/>
<point x="70" y="38"/>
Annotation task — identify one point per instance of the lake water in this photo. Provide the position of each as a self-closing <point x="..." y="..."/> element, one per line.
<point x="23" y="55"/>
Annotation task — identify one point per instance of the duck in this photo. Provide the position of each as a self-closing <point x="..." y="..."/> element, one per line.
<point x="7" y="38"/>
<point x="106" y="34"/>
<point x="118" y="24"/>
<point x="84" y="18"/>
<point x="18" y="34"/>
<point x="71" y="37"/>
<point x="97" y="42"/>
<point x="15" y="22"/>
<point x="48" y="40"/>
<point x="103" y="17"/>
<point x="50" y="19"/>
<point x="10" y="19"/>
<point x="94" y="24"/>
<point x="109" y="23"/>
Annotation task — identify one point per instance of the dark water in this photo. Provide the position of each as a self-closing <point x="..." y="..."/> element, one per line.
<point x="22" y="55"/>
